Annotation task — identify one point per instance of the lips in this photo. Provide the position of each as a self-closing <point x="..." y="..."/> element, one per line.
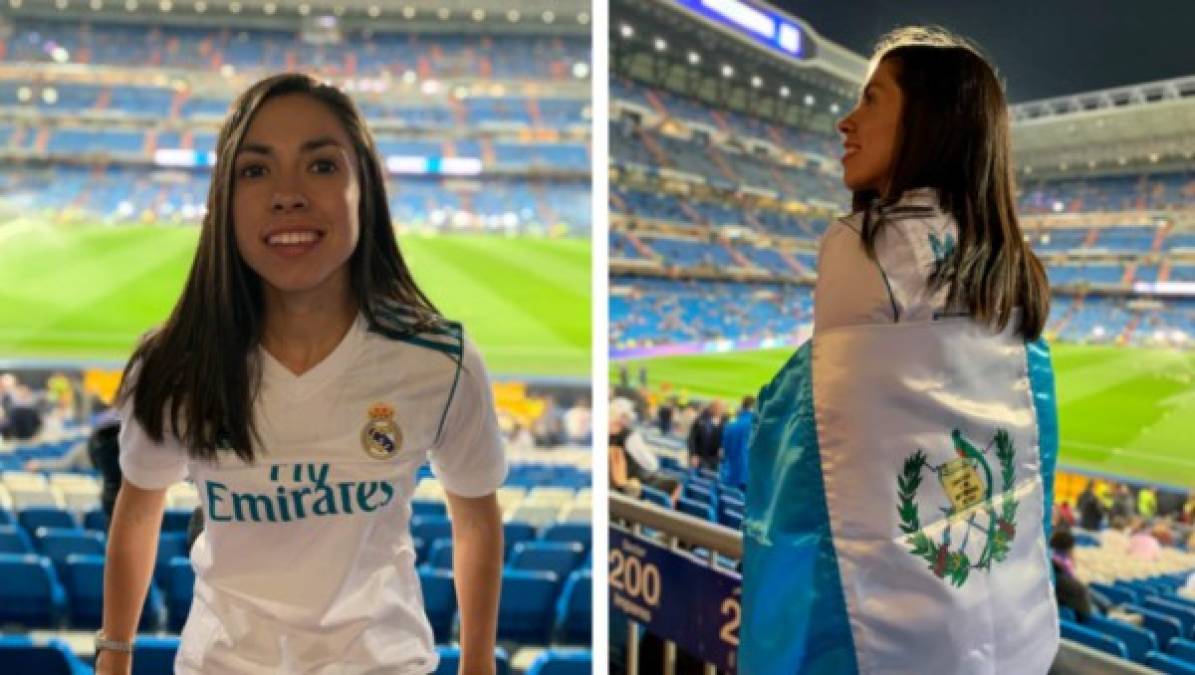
<point x="849" y="149"/>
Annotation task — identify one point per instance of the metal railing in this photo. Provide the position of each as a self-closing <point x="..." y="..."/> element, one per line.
<point x="679" y="530"/>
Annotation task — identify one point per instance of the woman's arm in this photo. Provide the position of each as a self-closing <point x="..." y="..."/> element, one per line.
<point x="132" y="549"/>
<point x="477" y="565"/>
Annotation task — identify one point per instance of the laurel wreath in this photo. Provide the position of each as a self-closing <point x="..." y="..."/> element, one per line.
<point x="945" y="563"/>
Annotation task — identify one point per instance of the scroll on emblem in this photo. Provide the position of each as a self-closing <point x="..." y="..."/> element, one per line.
<point x="381" y="436"/>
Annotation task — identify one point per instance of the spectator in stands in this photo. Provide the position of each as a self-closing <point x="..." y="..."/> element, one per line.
<point x="1123" y="504"/>
<point x="8" y="387"/>
<point x="1143" y="545"/>
<point x="1147" y="502"/>
<point x="1091" y="510"/>
<point x="578" y="422"/>
<point x="1066" y="515"/>
<point x="734" y="444"/>
<point x="931" y="262"/>
<point x="632" y="457"/>
<point x="665" y="414"/>
<point x="1069" y="591"/>
<point x="705" y="437"/>
<point x="23" y="421"/>
<point x="687" y="417"/>
<point x="299" y="382"/>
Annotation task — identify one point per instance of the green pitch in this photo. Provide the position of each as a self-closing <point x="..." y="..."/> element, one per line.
<point x="1123" y="411"/>
<point x="88" y="292"/>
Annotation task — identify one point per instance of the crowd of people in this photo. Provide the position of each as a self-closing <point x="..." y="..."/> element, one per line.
<point x="715" y="439"/>
<point x="1137" y="523"/>
<point x="27" y="411"/>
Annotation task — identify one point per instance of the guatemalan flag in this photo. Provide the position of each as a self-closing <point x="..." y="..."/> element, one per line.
<point x="898" y="506"/>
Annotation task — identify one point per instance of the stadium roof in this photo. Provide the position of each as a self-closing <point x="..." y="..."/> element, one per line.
<point x="495" y="16"/>
<point x="674" y="45"/>
<point x="1147" y="127"/>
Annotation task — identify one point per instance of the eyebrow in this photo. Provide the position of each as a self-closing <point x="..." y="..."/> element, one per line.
<point x="308" y="146"/>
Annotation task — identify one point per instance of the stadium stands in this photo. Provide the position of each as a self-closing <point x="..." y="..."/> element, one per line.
<point x="52" y="577"/>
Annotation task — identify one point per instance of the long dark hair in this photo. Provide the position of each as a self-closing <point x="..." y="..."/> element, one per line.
<point x="954" y="137"/>
<point x="200" y="371"/>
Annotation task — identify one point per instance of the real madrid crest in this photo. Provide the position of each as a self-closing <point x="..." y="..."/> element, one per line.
<point x="381" y="436"/>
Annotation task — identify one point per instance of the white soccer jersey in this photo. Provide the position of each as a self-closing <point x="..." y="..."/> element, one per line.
<point x="306" y="564"/>
<point x="853" y="289"/>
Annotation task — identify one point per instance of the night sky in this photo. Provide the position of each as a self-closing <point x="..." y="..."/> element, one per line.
<point x="1043" y="48"/>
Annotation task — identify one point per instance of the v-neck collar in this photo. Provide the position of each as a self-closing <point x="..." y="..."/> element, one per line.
<point x="332" y="365"/>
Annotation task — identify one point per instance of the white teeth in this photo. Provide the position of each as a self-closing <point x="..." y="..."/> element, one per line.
<point x="292" y="238"/>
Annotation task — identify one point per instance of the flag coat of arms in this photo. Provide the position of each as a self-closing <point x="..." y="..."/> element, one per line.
<point x="898" y="506"/>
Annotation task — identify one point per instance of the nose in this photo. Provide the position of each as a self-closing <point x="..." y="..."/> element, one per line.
<point x="283" y="202"/>
<point x="845" y="124"/>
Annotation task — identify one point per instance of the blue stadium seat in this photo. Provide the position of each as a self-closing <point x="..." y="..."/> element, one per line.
<point x="179" y="588"/>
<point x="574" y="610"/>
<point x="6" y="517"/>
<point x="733" y="493"/>
<point x="440" y="555"/>
<point x="698" y="492"/>
<point x="562" y="662"/>
<point x="1067" y="614"/>
<point x="558" y="557"/>
<point x="731" y="518"/>
<point x="697" y="509"/>
<point x="429" y="507"/>
<point x="46" y="516"/>
<point x="171" y="545"/>
<point x="20" y="654"/>
<point x="582" y="533"/>
<point x="514" y="532"/>
<point x="1185" y="615"/>
<point x="57" y="544"/>
<point x="431" y="528"/>
<point x="1165" y="628"/>
<point x="1094" y="639"/>
<point x="1117" y="594"/>
<point x="439" y="601"/>
<point x="450" y="661"/>
<point x="1169" y="664"/>
<point x="95" y="519"/>
<point x="1182" y="648"/>
<point x="421" y="548"/>
<point x="176" y="520"/>
<point x="1138" y="641"/>
<point x="30" y="594"/>
<point x="527" y="608"/>
<point x="83" y="579"/>
<point x="154" y="654"/>
<point x="656" y="496"/>
<point x="14" y="540"/>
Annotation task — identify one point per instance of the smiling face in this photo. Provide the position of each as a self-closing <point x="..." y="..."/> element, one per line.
<point x="871" y="131"/>
<point x="295" y="197"/>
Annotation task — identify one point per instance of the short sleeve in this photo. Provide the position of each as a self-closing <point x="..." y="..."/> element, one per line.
<point x="470" y="458"/>
<point x="850" y="289"/>
<point x="145" y="463"/>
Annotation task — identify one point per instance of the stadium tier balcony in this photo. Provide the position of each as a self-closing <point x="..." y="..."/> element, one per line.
<point x="1110" y="193"/>
<point x="134" y="194"/>
<point x="442" y="56"/>
<point x="663" y="311"/>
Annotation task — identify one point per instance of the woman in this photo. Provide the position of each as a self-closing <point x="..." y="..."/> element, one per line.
<point x="300" y="381"/>
<point x="903" y="461"/>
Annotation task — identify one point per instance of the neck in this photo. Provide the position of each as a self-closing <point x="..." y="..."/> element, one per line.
<point x="302" y="329"/>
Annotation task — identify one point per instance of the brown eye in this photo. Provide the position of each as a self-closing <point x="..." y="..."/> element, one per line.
<point x="323" y="166"/>
<point x="251" y="171"/>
